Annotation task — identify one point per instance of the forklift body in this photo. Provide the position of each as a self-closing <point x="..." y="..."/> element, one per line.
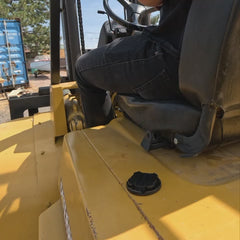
<point x="61" y="184"/>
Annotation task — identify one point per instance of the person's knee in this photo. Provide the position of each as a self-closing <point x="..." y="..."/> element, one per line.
<point x="79" y="64"/>
<point x="79" y="69"/>
<point x="87" y="66"/>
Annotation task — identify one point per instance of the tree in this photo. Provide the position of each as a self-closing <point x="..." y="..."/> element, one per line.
<point x="34" y="16"/>
<point x="155" y="19"/>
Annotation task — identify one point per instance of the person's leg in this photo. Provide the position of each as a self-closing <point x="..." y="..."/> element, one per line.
<point x="132" y="65"/>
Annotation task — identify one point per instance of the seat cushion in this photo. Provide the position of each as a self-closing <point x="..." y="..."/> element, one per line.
<point x="172" y="116"/>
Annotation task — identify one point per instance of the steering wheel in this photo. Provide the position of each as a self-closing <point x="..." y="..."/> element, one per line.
<point x="134" y="9"/>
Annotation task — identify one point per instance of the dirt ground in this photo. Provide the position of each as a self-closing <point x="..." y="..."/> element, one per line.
<point x="35" y="83"/>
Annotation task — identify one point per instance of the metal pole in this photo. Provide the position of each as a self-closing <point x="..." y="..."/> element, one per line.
<point x="55" y="40"/>
<point x="70" y="35"/>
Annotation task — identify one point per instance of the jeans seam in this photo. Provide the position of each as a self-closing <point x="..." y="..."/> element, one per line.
<point x="140" y="88"/>
<point x="119" y="63"/>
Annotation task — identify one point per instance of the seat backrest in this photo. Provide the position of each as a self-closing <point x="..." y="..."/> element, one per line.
<point x="210" y="60"/>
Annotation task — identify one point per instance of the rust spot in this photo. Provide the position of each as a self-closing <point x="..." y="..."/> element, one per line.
<point x="13" y="64"/>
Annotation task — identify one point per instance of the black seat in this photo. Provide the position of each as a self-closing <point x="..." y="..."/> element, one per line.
<point x="209" y="75"/>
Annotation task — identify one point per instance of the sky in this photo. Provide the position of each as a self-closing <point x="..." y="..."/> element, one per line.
<point x="92" y="21"/>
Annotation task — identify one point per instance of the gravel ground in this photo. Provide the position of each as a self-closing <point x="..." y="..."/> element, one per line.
<point x="35" y="83"/>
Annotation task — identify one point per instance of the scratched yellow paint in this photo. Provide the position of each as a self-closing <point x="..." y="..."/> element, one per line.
<point x="213" y="219"/>
<point x="95" y="165"/>
<point x="11" y="161"/>
<point x="29" y="160"/>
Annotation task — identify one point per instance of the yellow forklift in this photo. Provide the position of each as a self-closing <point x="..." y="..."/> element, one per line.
<point x="59" y="182"/>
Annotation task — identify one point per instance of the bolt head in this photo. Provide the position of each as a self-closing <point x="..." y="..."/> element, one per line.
<point x="175" y="140"/>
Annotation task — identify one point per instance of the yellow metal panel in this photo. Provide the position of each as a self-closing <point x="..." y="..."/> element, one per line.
<point x="213" y="219"/>
<point x="180" y="210"/>
<point x="48" y="153"/>
<point x="68" y="85"/>
<point x="75" y="209"/>
<point x="58" y="111"/>
<point x="16" y="180"/>
<point x="51" y="223"/>
<point x="218" y="166"/>
<point x="57" y="107"/>
<point x="97" y="205"/>
<point x="28" y="175"/>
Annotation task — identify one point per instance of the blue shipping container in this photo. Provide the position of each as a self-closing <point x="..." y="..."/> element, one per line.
<point x="12" y="58"/>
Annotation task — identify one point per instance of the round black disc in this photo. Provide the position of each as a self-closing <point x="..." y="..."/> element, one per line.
<point x="143" y="184"/>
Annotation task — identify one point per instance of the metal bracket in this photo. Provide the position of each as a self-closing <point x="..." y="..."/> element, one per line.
<point x="153" y="140"/>
<point x="30" y="102"/>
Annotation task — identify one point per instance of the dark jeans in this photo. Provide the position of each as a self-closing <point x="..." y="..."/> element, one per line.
<point x="141" y="65"/>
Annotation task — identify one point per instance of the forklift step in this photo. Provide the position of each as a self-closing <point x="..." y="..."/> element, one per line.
<point x="51" y="223"/>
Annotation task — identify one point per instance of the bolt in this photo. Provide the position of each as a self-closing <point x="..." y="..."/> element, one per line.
<point x="175" y="140"/>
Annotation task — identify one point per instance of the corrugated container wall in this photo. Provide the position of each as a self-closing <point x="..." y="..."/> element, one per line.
<point x="12" y="58"/>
